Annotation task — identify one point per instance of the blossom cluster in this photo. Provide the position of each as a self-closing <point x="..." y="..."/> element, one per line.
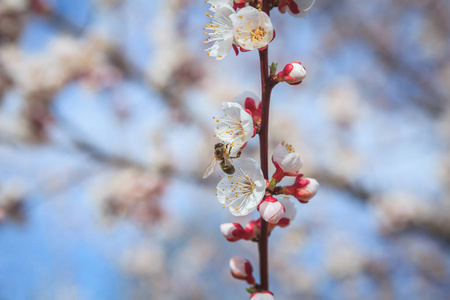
<point x="239" y="25"/>
<point x="243" y="190"/>
<point x="246" y="190"/>
<point x="247" y="29"/>
<point x="244" y="26"/>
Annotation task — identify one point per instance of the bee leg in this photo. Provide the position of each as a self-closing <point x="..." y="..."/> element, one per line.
<point x="237" y="154"/>
<point x="229" y="147"/>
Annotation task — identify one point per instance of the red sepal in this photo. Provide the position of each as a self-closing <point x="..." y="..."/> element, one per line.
<point x="236" y="50"/>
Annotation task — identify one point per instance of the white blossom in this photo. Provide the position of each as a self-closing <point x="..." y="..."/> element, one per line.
<point x="235" y="127"/>
<point x="286" y="158"/>
<point x="243" y="190"/>
<point x="252" y="28"/>
<point x="249" y="29"/>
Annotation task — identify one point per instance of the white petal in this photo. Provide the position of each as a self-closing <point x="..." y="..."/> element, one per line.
<point x="215" y="4"/>
<point x="291" y="211"/>
<point x="288" y="161"/>
<point x="227" y="229"/>
<point x="313" y="186"/>
<point x="235" y="126"/>
<point x="221" y="48"/>
<point x="303" y="6"/>
<point x="220" y="32"/>
<point x="298" y="72"/>
<point x="240" y="99"/>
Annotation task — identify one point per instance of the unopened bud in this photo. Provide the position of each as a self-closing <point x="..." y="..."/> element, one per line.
<point x="309" y="190"/>
<point x="287" y="163"/>
<point x="241" y="268"/>
<point x="293" y="73"/>
<point x="303" y="189"/>
<point x="286" y="157"/>
<point x="234" y="232"/>
<point x="271" y="210"/>
<point x="265" y="295"/>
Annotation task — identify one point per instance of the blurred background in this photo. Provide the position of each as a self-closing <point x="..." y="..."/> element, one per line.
<point x="106" y="129"/>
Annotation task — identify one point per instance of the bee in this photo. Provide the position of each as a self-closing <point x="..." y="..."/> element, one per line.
<point x="222" y="153"/>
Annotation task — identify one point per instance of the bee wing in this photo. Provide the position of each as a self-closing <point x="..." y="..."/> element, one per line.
<point x="210" y="168"/>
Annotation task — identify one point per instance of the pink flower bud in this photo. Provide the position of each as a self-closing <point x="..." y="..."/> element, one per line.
<point x="271" y="210"/>
<point x="234" y="232"/>
<point x="241" y="268"/>
<point x="310" y="190"/>
<point x="293" y="73"/>
<point x="265" y="295"/>
<point x="287" y="162"/>
<point x="303" y="189"/>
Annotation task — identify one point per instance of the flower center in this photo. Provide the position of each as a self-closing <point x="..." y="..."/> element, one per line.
<point x="243" y="185"/>
<point x="235" y="128"/>
<point x="288" y="147"/>
<point x="258" y="33"/>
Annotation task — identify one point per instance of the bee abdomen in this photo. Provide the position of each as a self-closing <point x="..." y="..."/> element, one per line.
<point x="229" y="169"/>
